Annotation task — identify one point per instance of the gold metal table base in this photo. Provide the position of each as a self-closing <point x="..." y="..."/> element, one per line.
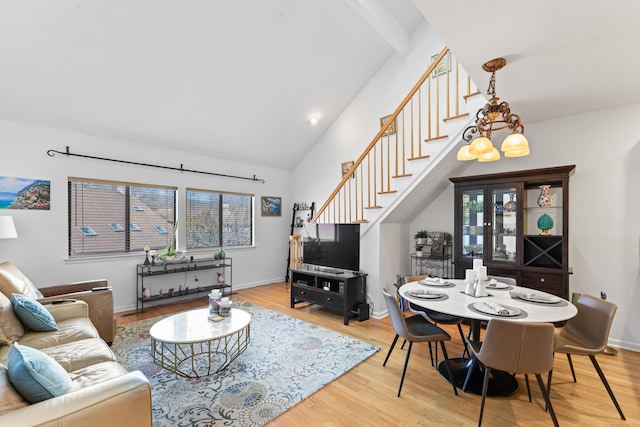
<point x="197" y="359"/>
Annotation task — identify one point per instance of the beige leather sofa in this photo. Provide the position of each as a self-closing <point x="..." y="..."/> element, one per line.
<point x="96" y="293"/>
<point x="102" y="392"/>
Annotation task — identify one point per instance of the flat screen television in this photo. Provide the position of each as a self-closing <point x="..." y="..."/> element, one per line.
<point x="332" y="245"/>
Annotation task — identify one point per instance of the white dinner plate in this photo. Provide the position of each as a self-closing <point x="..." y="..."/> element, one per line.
<point x="424" y="295"/>
<point x="435" y="282"/>
<point x="544" y="299"/>
<point x="488" y="308"/>
<point x="497" y="285"/>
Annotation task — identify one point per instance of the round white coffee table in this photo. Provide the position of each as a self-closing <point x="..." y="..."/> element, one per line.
<point x="191" y="345"/>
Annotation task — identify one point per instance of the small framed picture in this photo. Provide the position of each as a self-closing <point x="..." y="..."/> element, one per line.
<point x="392" y="128"/>
<point x="346" y="168"/>
<point x="442" y="67"/>
<point x="271" y="206"/>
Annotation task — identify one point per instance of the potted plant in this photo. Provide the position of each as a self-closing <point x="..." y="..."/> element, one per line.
<point x="421" y="241"/>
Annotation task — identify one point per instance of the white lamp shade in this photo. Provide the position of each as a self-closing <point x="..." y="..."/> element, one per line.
<point x="491" y="156"/>
<point x="480" y="146"/>
<point x="7" y="228"/>
<point x="463" y="153"/>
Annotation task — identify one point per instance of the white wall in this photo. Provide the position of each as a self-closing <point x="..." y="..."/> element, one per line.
<point x="41" y="248"/>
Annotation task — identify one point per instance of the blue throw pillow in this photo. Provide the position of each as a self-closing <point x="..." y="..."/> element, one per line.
<point x="35" y="375"/>
<point x="32" y="314"/>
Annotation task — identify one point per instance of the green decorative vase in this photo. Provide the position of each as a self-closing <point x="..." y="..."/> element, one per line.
<point x="545" y="223"/>
<point x="221" y="253"/>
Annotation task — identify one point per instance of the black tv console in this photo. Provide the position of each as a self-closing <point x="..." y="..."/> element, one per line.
<point x="341" y="290"/>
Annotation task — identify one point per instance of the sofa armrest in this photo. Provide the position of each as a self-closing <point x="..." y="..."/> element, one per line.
<point x="69" y="309"/>
<point x="100" y="309"/>
<point x="87" y="285"/>
<point x="122" y="401"/>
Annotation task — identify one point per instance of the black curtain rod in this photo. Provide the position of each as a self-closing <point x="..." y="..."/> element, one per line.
<point x="52" y="153"/>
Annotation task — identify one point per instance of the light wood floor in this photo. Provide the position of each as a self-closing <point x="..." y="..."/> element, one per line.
<point x="366" y="395"/>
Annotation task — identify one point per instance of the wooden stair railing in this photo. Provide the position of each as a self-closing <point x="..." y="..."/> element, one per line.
<point x="398" y="141"/>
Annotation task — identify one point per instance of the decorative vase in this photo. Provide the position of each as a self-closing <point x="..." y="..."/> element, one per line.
<point x="221" y="253"/>
<point x="545" y="223"/>
<point x="510" y="206"/>
<point x="544" y="199"/>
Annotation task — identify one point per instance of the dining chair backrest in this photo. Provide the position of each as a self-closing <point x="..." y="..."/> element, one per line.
<point x="592" y="323"/>
<point x="518" y="347"/>
<point x="397" y="318"/>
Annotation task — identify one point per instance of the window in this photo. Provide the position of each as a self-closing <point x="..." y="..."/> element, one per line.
<point x="98" y="208"/>
<point x="219" y="219"/>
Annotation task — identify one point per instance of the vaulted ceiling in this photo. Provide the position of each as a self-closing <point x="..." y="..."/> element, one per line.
<point x="239" y="79"/>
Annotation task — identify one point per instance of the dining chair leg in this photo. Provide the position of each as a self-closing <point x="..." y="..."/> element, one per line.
<point x="446" y="363"/>
<point x="393" y="344"/>
<point x="573" y="373"/>
<point x="485" y="385"/>
<point x="465" y="350"/>
<point x="547" y="401"/>
<point x="526" y="379"/>
<point x="404" y="369"/>
<point x="606" y="385"/>
<point x="431" y="355"/>
<point x="469" y="372"/>
<point x="548" y="387"/>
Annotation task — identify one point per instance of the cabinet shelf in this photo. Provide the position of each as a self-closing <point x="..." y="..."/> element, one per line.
<point x="148" y="272"/>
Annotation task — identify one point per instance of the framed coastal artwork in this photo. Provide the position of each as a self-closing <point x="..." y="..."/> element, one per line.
<point x="24" y="193"/>
<point x="271" y="206"/>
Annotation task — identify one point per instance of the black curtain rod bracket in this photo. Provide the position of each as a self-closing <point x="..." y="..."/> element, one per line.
<point x="52" y="153"/>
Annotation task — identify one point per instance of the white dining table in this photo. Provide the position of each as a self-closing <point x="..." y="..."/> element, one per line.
<point x="515" y="303"/>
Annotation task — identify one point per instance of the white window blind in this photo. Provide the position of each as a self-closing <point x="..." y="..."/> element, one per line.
<point x="217" y="219"/>
<point x="124" y="217"/>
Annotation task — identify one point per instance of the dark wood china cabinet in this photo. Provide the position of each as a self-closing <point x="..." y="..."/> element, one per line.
<point x="518" y="223"/>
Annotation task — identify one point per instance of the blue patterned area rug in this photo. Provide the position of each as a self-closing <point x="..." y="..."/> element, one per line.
<point x="287" y="361"/>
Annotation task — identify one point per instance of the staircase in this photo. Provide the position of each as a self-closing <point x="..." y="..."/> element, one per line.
<point x="404" y="157"/>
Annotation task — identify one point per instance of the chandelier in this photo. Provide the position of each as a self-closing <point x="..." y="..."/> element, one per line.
<point x="494" y="116"/>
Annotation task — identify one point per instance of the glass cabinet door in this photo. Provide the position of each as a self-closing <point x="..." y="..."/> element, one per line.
<point x="472" y="222"/>
<point x="504" y="223"/>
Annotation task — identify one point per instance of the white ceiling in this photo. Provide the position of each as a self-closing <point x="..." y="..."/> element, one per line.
<point x="233" y="79"/>
<point x="238" y="79"/>
<point x="563" y="57"/>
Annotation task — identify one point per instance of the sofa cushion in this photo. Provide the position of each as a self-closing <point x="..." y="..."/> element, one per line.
<point x="68" y="331"/>
<point x="35" y="375"/>
<point x="95" y="374"/>
<point x="32" y="314"/>
<point x="11" y="399"/>
<point x="12" y="281"/>
<point x="80" y="354"/>
<point x="11" y="329"/>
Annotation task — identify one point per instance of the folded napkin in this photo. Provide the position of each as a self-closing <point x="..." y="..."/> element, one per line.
<point x="498" y="308"/>
<point x="436" y="280"/>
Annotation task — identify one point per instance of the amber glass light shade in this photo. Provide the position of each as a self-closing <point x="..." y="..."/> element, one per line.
<point x="515" y="141"/>
<point x="517" y="153"/>
<point x="463" y="153"/>
<point x="491" y="156"/>
<point x="480" y="146"/>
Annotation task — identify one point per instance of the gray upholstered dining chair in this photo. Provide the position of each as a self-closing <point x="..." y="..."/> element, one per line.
<point x="587" y="334"/>
<point x="519" y="348"/>
<point x="414" y="329"/>
<point x="436" y="317"/>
